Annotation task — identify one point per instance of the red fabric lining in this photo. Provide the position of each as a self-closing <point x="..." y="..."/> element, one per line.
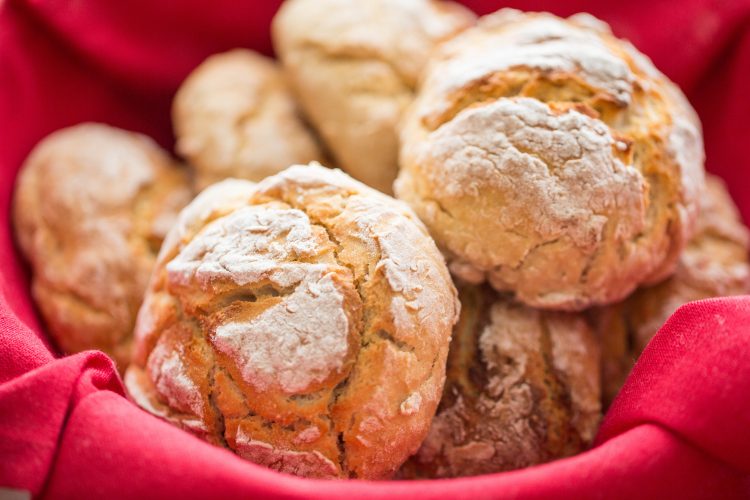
<point x="680" y="427"/>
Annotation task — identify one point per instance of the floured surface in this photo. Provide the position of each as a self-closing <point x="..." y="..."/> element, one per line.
<point x="142" y="392"/>
<point x="305" y="464"/>
<point x="167" y="370"/>
<point x="243" y="246"/>
<point x="560" y="165"/>
<point x="545" y="44"/>
<point x="204" y="207"/>
<point x="297" y="341"/>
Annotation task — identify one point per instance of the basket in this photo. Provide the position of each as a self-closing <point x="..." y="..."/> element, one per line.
<point x="679" y="428"/>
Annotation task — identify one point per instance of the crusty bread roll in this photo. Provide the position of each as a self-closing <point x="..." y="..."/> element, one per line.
<point x="715" y="263"/>
<point x="522" y="388"/>
<point x="234" y="116"/>
<point x="354" y="66"/>
<point x="551" y="159"/>
<point x="302" y="322"/>
<point x="91" y="208"/>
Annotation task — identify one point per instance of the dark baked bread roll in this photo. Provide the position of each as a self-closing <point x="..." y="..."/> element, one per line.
<point x="522" y="388"/>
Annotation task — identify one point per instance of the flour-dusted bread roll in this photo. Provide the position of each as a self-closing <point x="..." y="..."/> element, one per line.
<point x="354" y="66"/>
<point x="92" y="206"/>
<point x="302" y="322"/>
<point x="234" y="116"/>
<point x="551" y="159"/>
<point x="522" y="388"/>
<point x="715" y="263"/>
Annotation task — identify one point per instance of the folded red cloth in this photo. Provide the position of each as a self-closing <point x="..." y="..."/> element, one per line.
<point x="680" y="427"/>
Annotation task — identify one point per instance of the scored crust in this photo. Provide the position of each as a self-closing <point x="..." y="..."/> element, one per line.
<point x="714" y="263"/>
<point x="234" y="116"/>
<point x="91" y="208"/>
<point x="302" y="322"/>
<point x="552" y="160"/>
<point x="354" y="67"/>
<point x="522" y="388"/>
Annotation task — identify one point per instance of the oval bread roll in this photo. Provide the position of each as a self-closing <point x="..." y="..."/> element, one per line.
<point x="522" y="388"/>
<point x="91" y="208"/>
<point x="234" y="116"/>
<point x="354" y="67"/>
<point x="552" y="160"/>
<point x="302" y="322"/>
<point x="715" y="263"/>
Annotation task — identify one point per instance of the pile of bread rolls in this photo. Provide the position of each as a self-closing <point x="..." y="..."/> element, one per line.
<point x="311" y="322"/>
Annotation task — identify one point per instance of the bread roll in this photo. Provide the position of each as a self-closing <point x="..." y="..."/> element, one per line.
<point x="91" y="208"/>
<point x="234" y="116"/>
<point x="302" y="322"/>
<point x="522" y="388"/>
<point x="552" y="159"/>
<point x="715" y="263"/>
<point x="354" y="66"/>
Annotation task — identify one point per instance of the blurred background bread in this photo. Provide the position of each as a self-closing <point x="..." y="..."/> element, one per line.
<point x="302" y="322"/>
<point x="715" y="263"/>
<point x="551" y="159"/>
<point x="354" y="67"/>
<point x="92" y="205"/>
<point x="522" y="388"/>
<point x="234" y="116"/>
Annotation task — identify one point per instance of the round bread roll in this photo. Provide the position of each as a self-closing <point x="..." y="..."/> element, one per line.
<point x="354" y="67"/>
<point x="235" y="117"/>
<point x="91" y="208"/>
<point x="714" y="263"/>
<point x="302" y="322"/>
<point x="522" y="388"/>
<point x="551" y="159"/>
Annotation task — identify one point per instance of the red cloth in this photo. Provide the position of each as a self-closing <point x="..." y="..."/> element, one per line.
<point x="681" y="426"/>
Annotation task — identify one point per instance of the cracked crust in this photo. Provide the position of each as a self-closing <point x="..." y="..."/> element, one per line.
<point x="234" y="116"/>
<point x="92" y="206"/>
<point x="354" y="67"/>
<point x="715" y="263"/>
<point x="522" y="388"/>
<point x="304" y="322"/>
<point x="552" y="160"/>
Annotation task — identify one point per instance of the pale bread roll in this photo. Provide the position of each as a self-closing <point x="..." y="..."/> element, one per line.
<point x="354" y="67"/>
<point x="234" y="116"/>
<point x="92" y="205"/>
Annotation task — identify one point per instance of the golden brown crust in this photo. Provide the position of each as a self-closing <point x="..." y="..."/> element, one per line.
<point x="552" y="160"/>
<point x="522" y="388"/>
<point x="92" y="206"/>
<point x="303" y="321"/>
<point x="234" y="116"/>
<point x="714" y="263"/>
<point x="354" y="66"/>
